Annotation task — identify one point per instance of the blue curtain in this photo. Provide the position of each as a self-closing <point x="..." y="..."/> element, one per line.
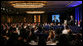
<point x="78" y="13"/>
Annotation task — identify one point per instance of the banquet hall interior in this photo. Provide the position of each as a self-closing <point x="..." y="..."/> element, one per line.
<point x="41" y="23"/>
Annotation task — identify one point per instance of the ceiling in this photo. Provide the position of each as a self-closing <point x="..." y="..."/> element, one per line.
<point x="50" y="6"/>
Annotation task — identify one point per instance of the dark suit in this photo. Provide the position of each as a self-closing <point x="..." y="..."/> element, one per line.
<point x="13" y="36"/>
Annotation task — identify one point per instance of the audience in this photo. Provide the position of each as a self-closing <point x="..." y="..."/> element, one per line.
<point x="24" y="33"/>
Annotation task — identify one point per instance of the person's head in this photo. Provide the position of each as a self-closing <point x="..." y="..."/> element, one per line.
<point x="80" y="20"/>
<point x="14" y="26"/>
<point x="54" y="17"/>
<point x="76" y="20"/>
<point x="5" y="23"/>
<point x="65" y="20"/>
<point x="24" y="26"/>
<point x="33" y="26"/>
<point x="67" y="27"/>
<point x="71" y="16"/>
<point x="45" y="23"/>
<point x="58" y="24"/>
<point x="51" y="23"/>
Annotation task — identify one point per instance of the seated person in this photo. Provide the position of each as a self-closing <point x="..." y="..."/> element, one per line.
<point x="51" y="34"/>
<point x="66" y="30"/>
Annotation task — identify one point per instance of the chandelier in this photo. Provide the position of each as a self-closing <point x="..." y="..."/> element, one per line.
<point x="28" y="4"/>
<point x="35" y="12"/>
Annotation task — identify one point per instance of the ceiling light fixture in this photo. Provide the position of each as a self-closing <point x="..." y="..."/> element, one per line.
<point x="35" y="12"/>
<point x="28" y="4"/>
